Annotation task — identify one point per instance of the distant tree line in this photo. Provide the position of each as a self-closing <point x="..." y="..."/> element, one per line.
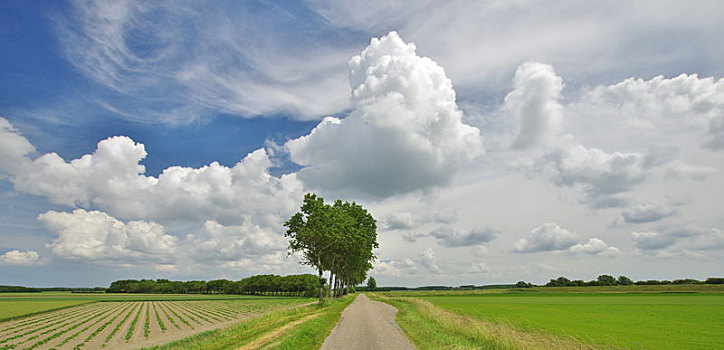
<point x="291" y="285"/>
<point x="21" y="289"/>
<point x="608" y="280"/>
<point x="338" y="238"/>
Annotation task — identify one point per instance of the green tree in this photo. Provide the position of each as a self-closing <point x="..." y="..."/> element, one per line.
<point x="624" y="281"/>
<point x="606" y="280"/>
<point x="371" y="283"/>
<point x="523" y="284"/>
<point x="337" y="238"/>
<point x="311" y="233"/>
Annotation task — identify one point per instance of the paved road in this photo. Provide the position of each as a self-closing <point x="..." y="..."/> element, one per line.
<point x="367" y="325"/>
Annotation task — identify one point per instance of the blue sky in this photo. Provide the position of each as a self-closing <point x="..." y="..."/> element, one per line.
<point x="494" y="141"/>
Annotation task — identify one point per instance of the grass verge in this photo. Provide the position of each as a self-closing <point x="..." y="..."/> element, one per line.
<point x="310" y="325"/>
<point x="430" y="327"/>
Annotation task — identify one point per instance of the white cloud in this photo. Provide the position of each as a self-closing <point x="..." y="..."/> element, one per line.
<point x="677" y="240"/>
<point x="412" y="237"/>
<point x="683" y="102"/>
<point x="548" y="236"/>
<point x="652" y="240"/>
<point x="595" y="246"/>
<point x="96" y="236"/>
<point x="427" y="259"/>
<point x="397" y="221"/>
<point x="112" y="179"/>
<point x="217" y="243"/>
<point x="13" y="148"/>
<point x="445" y="216"/>
<point x="603" y="176"/>
<point x="448" y="236"/>
<point x="534" y="105"/>
<point x="404" y="134"/>
<point x="395" y="268"/>
<point x="647" y="212"/>
<point x="481" y="42"/>
<point x="16" y="257"/>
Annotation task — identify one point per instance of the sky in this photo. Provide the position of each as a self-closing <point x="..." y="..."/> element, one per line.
<point x="493" y="141"/>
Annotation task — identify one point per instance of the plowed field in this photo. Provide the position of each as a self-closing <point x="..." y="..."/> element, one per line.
<point x="127" y="325"/>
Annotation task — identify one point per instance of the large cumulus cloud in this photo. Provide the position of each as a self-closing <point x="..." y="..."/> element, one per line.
<point x="112" y="179"/>
<point x="605" y="177"/>
<point x="404" y="134"/>
<point x="120" y="212"/>
<point x="93" y="235"/>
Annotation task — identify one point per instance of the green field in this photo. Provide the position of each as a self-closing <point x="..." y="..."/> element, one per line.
<point x="640" y="320"/>
<point x="12" y="308"/>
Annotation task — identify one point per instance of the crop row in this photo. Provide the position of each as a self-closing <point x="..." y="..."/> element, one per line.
<point x="123" y="324"/>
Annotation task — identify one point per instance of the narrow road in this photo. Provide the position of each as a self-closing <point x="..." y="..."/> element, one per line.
<point x="367" y="325"/>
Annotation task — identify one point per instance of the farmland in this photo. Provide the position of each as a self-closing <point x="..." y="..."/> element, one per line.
<point x="122" y="321"/>
<point x="569" y="320"/>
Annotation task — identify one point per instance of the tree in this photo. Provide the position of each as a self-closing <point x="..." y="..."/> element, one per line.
<point x="310" y="232"/>
<point x="337" y="238"/>
<point x="606" y="280"/>
<point x="371" y="283"/>
<point x="523" y="284"/>
<point x="624" y="281"/>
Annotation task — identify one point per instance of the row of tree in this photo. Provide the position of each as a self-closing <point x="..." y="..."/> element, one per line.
<point x="291" y="285"/>
<point x="338" y="238"/>
<point x="608" y="280"/>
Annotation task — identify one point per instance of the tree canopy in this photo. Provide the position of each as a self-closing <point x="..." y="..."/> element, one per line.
<point x="338" y="238"/>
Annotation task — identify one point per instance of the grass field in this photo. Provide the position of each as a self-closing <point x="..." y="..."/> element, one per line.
<point x="13" y="308"/>
<point x="648" y="321"/>
<point x="126" y="321"/>
<point x="570" y="318"/>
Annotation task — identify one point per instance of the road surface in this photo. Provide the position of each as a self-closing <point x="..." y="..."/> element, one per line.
<point x="367" y="325"/>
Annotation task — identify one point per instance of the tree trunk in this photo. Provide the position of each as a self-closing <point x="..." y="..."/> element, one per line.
<point x="321" y="287"/>
<point x="331" y="285"/>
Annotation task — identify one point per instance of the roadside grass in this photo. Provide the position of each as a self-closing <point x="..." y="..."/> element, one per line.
<point x="316" y="323"/>
<point x="311" y="334"/>
<point x="624" y="320"/>
<point x="430" y="327"/>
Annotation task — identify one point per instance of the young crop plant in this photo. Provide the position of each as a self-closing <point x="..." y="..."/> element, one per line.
<point x="66" y="330"/>
<point x="205" y="310"/>
<point x="147" y="324"/>
<point x="102" y="327"/>
<point x="189" y="313"/>
<point x="200" y="312"/>
<point x="170" y="319"/>
<point x="105" y="315"/>
<point x="52" y="326"/>
<point x="40" y="319"/>
<point x="129" y="334"/>
<point x="118" y="326"/>
<point x="180" y="318"/>
<point x="158" y="318"/>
